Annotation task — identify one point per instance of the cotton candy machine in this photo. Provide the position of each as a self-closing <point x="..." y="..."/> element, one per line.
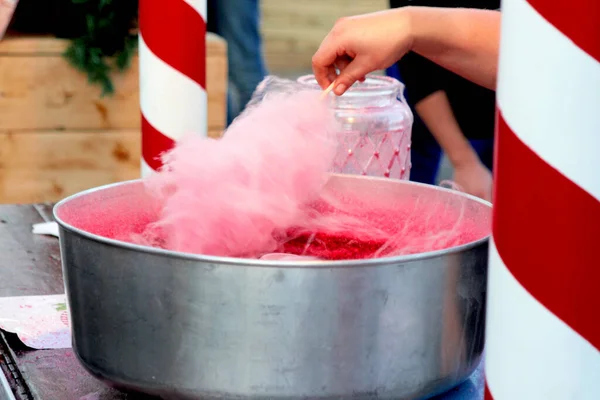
<point x="190" y="326"/>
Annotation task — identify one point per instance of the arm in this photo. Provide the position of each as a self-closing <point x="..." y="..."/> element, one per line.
<point x="469" y="173"/>
<point x="426" y="94"/>
<point x="464" y="41"/>
<point x="426" y="85"/>
<point x="436" y="113"/>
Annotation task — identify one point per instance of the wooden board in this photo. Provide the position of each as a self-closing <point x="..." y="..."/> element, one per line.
<point x="39" y="90"/>
<point x="292" y="31"/>
<point x="58" y="136"/>
<point x="47" y="166"/>
<point x="216" y="82"/>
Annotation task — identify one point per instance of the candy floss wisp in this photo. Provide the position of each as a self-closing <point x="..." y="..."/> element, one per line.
<point x="258" y="193"/>
<point x="235" y="196"/>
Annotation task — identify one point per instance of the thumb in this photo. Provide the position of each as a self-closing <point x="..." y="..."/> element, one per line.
<point x="353" y="72"/>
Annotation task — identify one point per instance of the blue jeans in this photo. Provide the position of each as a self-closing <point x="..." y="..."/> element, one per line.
<point x="426" y="153"/>
<point x="238" y="22"/>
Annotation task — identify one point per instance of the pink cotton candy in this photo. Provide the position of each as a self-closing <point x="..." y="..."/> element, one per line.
<point x="231" y="197"/>
<point x="259" y="193"/>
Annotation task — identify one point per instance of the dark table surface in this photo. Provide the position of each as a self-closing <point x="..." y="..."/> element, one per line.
<point x="29" y="266"/>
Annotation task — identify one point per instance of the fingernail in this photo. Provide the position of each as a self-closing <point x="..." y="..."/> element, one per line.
<point x="340" y="89"/>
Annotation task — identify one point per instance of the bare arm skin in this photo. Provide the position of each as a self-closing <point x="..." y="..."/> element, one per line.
<point x="473" y="177"/>
<point x="464" y="41"/>
<point x="436" y="113"/>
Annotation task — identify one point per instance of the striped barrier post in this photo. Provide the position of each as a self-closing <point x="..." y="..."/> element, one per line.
<point x="172" y="48"/>
<point x="543" y="320"/>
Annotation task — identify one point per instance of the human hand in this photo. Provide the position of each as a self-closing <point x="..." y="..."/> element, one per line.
<point x="362" y="44"/>
<point x="475" y="179"/>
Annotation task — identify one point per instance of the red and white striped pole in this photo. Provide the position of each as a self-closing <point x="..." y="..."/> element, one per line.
<point x="543" y="321"/>
<point x="172" y="54"/>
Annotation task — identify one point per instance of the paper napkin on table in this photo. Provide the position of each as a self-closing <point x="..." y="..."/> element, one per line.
<point x="40" y="322"/>
<point x="46" y="228"/>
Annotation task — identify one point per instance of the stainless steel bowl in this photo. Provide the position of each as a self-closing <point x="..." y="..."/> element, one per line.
<point x="188" y="326"/>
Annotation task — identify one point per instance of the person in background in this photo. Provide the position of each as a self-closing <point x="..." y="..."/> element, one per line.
<point x="464" y="41"/>
<point x="7" y="9"/>
<point x="238" y="22"/>
<point x="459" y="114"/>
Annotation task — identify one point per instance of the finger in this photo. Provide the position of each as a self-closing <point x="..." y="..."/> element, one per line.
<point x="323" y="62"/>
<point x="323" y="75"/>
<point x="332" y="74"/>
<point x="342" y="62"/>
<point x="357" y="69"/>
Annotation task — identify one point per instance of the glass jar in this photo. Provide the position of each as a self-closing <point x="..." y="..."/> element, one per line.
<point x="375" y="125"/>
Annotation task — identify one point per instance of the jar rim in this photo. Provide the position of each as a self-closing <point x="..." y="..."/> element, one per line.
<point x="374" y="85"/>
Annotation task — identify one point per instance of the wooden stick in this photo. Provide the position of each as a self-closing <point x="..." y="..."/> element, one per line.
<point x="326" y="91"/>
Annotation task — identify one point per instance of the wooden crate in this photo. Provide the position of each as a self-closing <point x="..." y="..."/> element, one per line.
<point x="292" y="31"/>
<point x="58" y="136"/>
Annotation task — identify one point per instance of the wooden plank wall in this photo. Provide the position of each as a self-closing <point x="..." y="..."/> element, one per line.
<point x="293" y="30"/>
<point x="58" y="136"/>
<point x="35" y="77"/>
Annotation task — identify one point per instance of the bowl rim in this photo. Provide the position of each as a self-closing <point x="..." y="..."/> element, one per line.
<point x="247" y="262"/>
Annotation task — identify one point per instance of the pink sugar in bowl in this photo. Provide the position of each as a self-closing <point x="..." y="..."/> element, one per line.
<point x="375" y="124"/>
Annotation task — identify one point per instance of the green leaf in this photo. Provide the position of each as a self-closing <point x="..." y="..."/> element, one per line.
<point x="104" y="3"/>
<point x="91" y="23"/>
<point x="61" y="307"/>
<point x="107" y="45"/>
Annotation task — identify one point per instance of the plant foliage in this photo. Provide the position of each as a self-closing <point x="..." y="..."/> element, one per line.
<point x="108" y="41"/>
